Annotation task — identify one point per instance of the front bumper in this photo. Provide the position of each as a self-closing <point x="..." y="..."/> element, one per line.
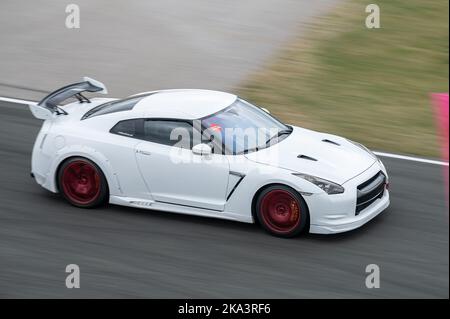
<point x="351" y="223"/>
<point x="330" y="214"/>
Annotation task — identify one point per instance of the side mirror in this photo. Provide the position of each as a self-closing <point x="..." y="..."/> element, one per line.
<point x="265" y="110"/>
<point x="202" y="149"/>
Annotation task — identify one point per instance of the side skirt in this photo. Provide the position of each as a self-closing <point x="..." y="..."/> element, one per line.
<point x="174" y="208"/>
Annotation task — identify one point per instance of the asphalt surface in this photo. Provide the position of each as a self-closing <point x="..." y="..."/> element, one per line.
<point x="126" y="252"/>
<point x="136" y="45"/>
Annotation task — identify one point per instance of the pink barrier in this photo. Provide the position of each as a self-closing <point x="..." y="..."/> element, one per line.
<point x="441" y="112"/>
<point x="440" y="102"/>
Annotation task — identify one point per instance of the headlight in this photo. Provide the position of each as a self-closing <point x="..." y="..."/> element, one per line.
<point x="363" y="148"/>
<point x="328" y="187"/>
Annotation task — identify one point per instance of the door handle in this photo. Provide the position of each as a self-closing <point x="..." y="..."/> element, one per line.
<point x="143" y="152"/>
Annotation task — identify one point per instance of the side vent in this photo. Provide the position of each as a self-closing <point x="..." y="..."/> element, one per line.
<point x="331" y="142"/>
<point x="306" y="157"/>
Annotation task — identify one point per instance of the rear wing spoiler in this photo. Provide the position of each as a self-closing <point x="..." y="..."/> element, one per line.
<point x="49" y="104"/>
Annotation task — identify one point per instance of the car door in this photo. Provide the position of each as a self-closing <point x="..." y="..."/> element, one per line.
<point x="174" y="174"/>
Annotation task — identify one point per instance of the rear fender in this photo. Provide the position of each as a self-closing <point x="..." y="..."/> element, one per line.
<point x="89" y="153"/>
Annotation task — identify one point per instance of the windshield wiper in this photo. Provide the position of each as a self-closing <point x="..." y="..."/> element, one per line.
<point x="256" y="149"/>
<point x="280" y="133"/>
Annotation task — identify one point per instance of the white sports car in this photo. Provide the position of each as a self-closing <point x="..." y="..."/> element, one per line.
<point x="204" y="153"/>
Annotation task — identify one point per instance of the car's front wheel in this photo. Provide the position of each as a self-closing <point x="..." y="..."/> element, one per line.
<point x="281" y="211"/>
<point x="82" y="183"/>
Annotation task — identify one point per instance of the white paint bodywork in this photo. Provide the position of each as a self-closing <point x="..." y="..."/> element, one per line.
<point x="139" y="173"/>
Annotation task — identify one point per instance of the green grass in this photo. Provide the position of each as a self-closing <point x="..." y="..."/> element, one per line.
<point x="371" y="85"/>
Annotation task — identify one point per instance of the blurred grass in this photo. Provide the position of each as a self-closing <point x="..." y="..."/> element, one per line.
<point x="370" y="85"/>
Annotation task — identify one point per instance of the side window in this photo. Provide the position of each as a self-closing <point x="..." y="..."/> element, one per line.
<point x="173" y="133"/>
<point x="128" y="128"/>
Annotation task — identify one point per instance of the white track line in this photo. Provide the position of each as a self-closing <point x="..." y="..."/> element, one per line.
<point x="18" y="101"/>
<point x="382" y="154"/>
<point x="411" y="158"/>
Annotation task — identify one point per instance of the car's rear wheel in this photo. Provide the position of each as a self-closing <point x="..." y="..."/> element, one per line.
<point x="82" y="183"/>
<point x="281" y="211"/>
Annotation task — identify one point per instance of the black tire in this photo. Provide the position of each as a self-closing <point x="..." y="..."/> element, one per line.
<point x="82" y="183"/>
<point x="276" y="209"/>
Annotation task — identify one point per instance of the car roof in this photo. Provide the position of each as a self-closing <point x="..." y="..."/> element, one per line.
<point x="182" y="103"/>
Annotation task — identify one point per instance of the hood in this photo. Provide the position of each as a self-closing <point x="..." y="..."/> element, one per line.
<point x="323" y="155"/>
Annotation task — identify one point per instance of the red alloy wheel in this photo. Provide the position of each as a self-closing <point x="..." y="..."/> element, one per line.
<point x="280" y="211"/>
<point x="81" y="182"/>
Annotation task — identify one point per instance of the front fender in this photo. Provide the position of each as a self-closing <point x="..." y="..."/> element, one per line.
<point x="258" y="176"/>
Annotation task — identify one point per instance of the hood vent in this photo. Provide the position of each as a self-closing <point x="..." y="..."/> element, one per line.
<point x="331" y="142"/>
<point x="306" y="157"/>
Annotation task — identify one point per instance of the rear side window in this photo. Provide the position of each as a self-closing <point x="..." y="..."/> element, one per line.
<point x="114" y="106"/>
<point x="173" y="133"/>
<point x="130" y="128"/>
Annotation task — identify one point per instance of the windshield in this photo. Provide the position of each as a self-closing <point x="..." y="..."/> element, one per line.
<point x="243" y="127"/>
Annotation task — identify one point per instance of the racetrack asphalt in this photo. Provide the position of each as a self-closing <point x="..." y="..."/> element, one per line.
<point x="126" y="252"/>
<point x="137" y="46"/>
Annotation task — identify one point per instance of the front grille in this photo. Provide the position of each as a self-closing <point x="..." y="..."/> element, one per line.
<point x="369" y="191"/>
